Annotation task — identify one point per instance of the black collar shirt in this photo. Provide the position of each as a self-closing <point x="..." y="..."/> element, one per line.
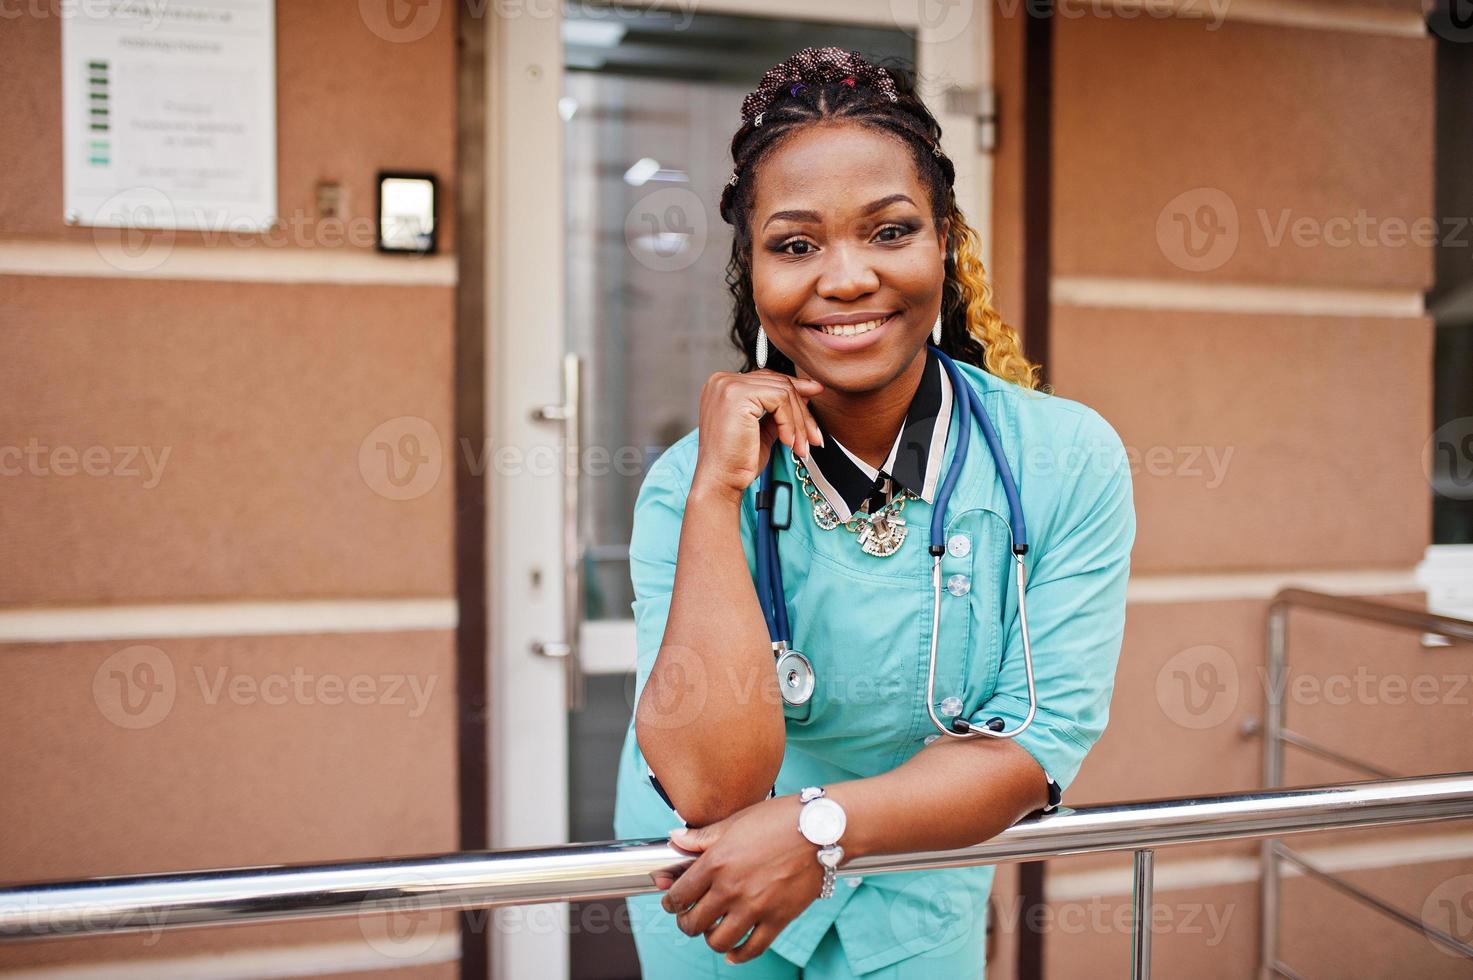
<point x="852" y="486"/>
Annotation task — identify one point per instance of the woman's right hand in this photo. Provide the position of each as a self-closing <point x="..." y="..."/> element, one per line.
<point x="741" y="416"/>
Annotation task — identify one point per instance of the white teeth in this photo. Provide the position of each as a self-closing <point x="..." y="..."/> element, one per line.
<point x="851" y="329"/>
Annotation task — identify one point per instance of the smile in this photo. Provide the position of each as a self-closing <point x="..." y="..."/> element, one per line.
<point x="852" y="329"/>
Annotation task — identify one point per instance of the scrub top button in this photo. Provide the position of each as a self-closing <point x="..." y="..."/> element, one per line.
<point x="959" y="545"/>
<point x="959" y="585"/>
<point x="951" y="706"/>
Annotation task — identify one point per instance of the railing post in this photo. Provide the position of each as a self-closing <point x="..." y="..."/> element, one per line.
<point x="1141" y="901"/>
<point x="1273" y="777"/>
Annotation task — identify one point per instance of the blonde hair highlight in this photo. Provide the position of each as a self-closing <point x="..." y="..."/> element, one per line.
<point x="1003" y="353"/>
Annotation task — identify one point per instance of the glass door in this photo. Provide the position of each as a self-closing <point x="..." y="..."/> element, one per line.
<point x="611" y="134"/>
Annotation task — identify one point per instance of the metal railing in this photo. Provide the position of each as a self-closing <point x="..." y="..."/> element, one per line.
<point x="1276" y="735"/>
<point x="619" y="868"/>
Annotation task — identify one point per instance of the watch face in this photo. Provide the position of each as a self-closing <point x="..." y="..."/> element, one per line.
<point x="822" y="821"/>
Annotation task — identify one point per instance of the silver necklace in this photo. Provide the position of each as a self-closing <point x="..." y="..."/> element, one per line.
<point x="880" y="534"/>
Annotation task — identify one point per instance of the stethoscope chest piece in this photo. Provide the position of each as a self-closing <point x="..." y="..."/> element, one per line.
<point x="794" y="677"/>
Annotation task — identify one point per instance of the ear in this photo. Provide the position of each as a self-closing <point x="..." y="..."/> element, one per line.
<point x="943" y="235"/>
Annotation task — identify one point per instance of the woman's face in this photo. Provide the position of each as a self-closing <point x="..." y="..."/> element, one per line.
<point x="842" y="237"/>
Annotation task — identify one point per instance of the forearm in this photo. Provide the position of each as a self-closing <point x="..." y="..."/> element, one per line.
<point x="709" y="720"/>
<point x="951" y="794"/>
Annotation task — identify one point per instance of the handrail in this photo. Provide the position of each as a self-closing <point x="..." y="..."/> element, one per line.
<point x="618" y="868"/>
<point x="1276" y="735"/>
<point x="1370" y="610"/>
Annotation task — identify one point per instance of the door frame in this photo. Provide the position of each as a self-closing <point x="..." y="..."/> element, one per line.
<point x="522" y="284"/>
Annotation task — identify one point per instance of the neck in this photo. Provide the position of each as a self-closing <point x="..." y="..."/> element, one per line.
<point x="867" y="422"/>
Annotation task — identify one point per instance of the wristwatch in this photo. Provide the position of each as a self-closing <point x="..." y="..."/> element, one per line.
<point x="821" y="820"/>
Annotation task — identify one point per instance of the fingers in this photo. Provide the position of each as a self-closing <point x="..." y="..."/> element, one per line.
<point x="776" y="400"/>
<point x="785" y="399"/>
<point x="808" y="386"/>
<point x="703" y="916"/>
<point x="688" y="888"/>
<point x="756" y="943"/>
<point x="725" y="934"/>
<point x="804" y="389"/>
<point x="800" y="421"/>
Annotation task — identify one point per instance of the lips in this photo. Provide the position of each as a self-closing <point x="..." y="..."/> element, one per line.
<point x="852" y="332"/>
<point x="852" y="329"/>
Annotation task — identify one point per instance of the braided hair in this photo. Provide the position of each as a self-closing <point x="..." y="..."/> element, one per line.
<point x="819" y="85"/>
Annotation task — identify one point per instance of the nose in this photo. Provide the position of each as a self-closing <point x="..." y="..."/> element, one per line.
<point x="846" y="274"/>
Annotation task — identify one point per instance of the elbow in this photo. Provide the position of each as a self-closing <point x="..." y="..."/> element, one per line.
<point x="702" y="792"/>
<point x="713" y="808"/>
<point x="701" y="803"/>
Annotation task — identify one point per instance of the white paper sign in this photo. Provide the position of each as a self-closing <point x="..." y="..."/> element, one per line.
<point x="170" y="113"/>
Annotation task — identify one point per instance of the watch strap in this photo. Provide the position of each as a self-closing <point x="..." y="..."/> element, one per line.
<point x="828" y="859"/>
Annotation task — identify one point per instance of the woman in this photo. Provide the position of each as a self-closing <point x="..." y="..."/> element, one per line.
<point x="850" y="256"/>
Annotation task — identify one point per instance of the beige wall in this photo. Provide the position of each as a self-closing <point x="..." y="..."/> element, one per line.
<point x="262" y="388"/>
<point x="1284" y="387"/>
<point x="1296" y="369"/>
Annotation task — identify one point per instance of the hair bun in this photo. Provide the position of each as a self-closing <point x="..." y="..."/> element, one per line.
<point x="816" y="66"/>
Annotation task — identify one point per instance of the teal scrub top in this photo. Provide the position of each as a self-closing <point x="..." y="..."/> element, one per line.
<point x="865" y="624"/>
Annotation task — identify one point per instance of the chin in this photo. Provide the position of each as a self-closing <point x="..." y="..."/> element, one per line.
<point x="855" y="374"/>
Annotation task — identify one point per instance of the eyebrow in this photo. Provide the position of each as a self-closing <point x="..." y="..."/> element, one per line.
<point x="869" y="208"/>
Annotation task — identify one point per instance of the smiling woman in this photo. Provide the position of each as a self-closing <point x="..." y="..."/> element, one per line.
<point x="849" y="255"/>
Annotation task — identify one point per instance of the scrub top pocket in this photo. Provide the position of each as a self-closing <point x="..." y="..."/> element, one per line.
<point x="863" y="632"/>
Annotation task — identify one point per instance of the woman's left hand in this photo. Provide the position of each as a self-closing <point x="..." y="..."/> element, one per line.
<point x="755" y="872"/>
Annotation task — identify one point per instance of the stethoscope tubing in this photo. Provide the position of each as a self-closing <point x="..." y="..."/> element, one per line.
<point x="769" y="571"/>
<point x="1018" y="538"/>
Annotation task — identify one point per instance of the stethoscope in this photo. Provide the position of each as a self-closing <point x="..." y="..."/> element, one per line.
<point x="795" y="675"/>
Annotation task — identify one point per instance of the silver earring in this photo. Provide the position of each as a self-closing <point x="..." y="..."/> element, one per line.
<point x="936" y="331"/>
<point x="761" y="347"/>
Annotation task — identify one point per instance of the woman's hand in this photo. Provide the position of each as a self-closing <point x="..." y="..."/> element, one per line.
<point x="741" y="416"/>
<point x="755" y="872"/>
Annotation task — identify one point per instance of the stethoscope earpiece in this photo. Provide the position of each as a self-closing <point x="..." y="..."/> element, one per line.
<point x="963" y="727"/>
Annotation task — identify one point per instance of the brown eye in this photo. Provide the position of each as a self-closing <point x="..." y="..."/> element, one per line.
<point x="796" y="241"/>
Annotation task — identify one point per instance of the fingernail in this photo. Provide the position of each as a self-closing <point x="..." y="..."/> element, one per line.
<point x="819" y="440"/>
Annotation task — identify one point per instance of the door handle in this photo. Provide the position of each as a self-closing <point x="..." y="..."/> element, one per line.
<point x="570" y="415"/>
